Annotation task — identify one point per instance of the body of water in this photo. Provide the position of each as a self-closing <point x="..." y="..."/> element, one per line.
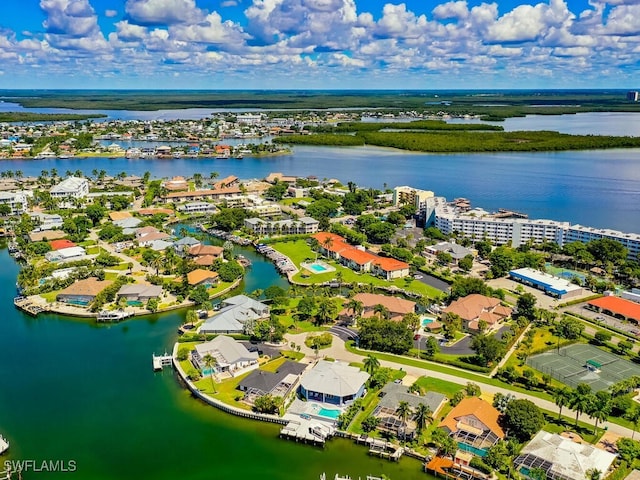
<point x="75" y="391"/>
<point x="598" y="188"/>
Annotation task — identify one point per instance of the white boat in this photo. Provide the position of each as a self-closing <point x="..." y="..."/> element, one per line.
<point x="4" y="445"/>
<point x="113" y="315"/>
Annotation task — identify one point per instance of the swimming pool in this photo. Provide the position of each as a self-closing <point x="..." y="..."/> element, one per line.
<point x="316" y="267"/>
<point x="329" y="413"/>
<point x="427" y="320"/>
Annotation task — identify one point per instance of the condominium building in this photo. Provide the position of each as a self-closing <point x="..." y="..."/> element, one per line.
<point x="411" y="196"/>
<point x="579" y="233"/>
<point x="303" y="225"/>
<point x="70" y="187"/>
<point x="17" y="201"/>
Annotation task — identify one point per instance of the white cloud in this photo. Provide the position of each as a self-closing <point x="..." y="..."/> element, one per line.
<point x="162" y="12"/>
<point x="110" y="13"/>
<point x="211" y="30"/>
<point x="130" y="33"/>
<point x="527" y="22"/>
<point x="458" y="10"/>
<point x="397" y="21"/>
<point x="69" y="17"/>
<point x="623" y="20"/>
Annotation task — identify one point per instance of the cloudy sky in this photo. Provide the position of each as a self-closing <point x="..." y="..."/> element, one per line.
<point x="421" y="44"/>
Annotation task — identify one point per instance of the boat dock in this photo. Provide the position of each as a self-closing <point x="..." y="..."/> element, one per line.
<point x="161" y="361"/>
<point x="28" y="306"/>
<point x="307" y="431"/>
<point x="383" y="449"/>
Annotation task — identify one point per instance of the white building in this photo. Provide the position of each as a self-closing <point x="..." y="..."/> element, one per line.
<point x="303" y="225"/>
<point x="66" y="254"/>
<point x="17" y="201"/>
<point x="46" y="221"/>
<point x="70" y="187"/>
<point x="411" y="196"/>
<point x="197" y="207"/>
<point x="249" y="118"/>
<point x="578" y="233"/>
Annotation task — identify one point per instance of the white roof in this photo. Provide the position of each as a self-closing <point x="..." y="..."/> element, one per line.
<point x="334" y="378"/>
<point x="226" y="351"/>
<point x="570" y="459"/>
<point x="550" y="281"/>
<point x="70" y="252"/>
<point x="70" y="184"/>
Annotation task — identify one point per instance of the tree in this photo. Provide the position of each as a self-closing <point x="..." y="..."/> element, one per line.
<point x="463" y="286"/>
<point x="466" y="263"/>
<point x="152" y="305"/>
<point x="403" y="411"/>
<point x="633" y="415"/>
<point x="199" y="295"/>
<point x="501" y="261"/>
<point x="593" y="474"/>
<point x="370" y="423"/>
<point x="472" y="390"/>
<point x="569" y="328"/>
<point x="451" y="323"/>
<point x="356" y="307"/>
<point x="527" y="306"/>
<point x="562" y="398"/>
<point x="523" y="419"/>
<point x="423" y="416"/>
<point x="267" y="404"/>
<point x="191" y="317"/>
<point x="501" y="401"/>
<point x="431" y="347"/>
<point x="382" y="311"/>
<point x="327" y="310"/>
<point x="580" y="399"/>
<point x="210" y="362"/>
<point x="624" y="346"/>
<point x="601" y="337"/>
<point x="488" y="348"/>
<point x="371" y="364"/>
<point x="445" y="445"/>
<point x="599" y="408"/>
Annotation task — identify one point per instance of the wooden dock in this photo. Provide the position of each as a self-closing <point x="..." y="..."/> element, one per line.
<point x="161" y="361"/>
<point x="28" y="306"/>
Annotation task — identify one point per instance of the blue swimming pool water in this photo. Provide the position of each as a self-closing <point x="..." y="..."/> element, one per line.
<point x="329" y="413"/>
<point x="426" y="321"/>
<point x="318" y="268"/>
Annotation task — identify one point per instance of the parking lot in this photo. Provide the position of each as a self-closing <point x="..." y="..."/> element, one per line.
<point x="608" y="320"/>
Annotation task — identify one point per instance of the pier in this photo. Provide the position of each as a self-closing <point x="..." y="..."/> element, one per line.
<point x="161" y="361"/>
<point x="28" y="306"/>
<point x="303" y="431"/>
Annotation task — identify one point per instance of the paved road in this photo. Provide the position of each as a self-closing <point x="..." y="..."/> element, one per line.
<point x="338" y="352"/>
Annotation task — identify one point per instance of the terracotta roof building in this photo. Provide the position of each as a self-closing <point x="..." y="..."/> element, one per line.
<point x="618" y="307"/>
<point x="397" y="307"/>
<point x="473" y="423"/>
<point x="202" y="277"/>
<point x="358" y="259"/>
<point x="475" y="307"/>
<point x="58" y="244"/>
<point x="82" y="292"/>
<point x="206" y="250"/>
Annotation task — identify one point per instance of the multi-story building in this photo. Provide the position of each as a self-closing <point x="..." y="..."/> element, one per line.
<point x="578" y="233"/>
<point x="633" y="95"/>
<point x="303" y="225"/>
<point x="70" y="187"/>
<point x="405" y="195"/>
<point x="17" y="201"/>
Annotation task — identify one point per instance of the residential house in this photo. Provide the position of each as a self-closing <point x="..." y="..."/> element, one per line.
<point x="473" y="424"/>
<point x="185" y="243"/>
<point x="17" y="201"/>
<point x="336" y="383"/>
<point x="66" y="254"/>
<point x="562" y="458"/>
<point x="46" y="221"/>
<point x="231" y="357"/>
<point x="146" y="235"/>
<point x="202" y="277"/>
<point x="456" y="251"/>
<point x="476" y="308"/>
<point x="236" y="315"/>
<point x="139" y="292"/>
<point x="59" y="244"/>
<point x="391" y="396"/>
<point x="46" y="235"/>
<point x="70" y="187"/>
<point x="82" y="292"/>
<point x="397" y="307"/>
<point x="278" y="384"/>
<point x="176" y="184"/>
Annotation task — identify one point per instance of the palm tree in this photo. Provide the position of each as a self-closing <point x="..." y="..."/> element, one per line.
<point x="191" y="317"/>
<point x="214" y="175"/>
<point x="403" y="411"/>
<point x="633" y="416"/>
<point x="382" y="310"/>
<point x="326" y="310"/>
<point x="580" y="399"/>
<point x="562" y="397"/>
<point x="315" y="246"/>
<point x="423" y="415"/>
<point x="599" y="408"/>
<point x="210" y="362"/>
<point x="371" y="364"/>
<point x="412" y="320"/>
<point x="356" y="307"/>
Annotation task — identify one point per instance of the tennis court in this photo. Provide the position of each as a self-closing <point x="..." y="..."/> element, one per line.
<point x="583" y="363"/>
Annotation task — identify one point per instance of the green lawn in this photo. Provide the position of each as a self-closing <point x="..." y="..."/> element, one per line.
<point x="429" y="384"/>
<point x="50" y="297"/>
<point x="293" y="201"/>
<point x="93" y="250"/>
<point x="121" y="266"/>
<point x="291" y="355"/>
<point x="299" y="251"/>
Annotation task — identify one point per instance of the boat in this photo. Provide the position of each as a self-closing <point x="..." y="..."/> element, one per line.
<point x="113" y="315"/>
<point x="4" y="445"/>
<point x="244" y="261"/>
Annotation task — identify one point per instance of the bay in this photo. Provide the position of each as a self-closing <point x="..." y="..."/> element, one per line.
<point x="597" y="188"/>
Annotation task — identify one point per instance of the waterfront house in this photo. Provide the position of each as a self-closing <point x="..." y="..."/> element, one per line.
<point x="475" y="308"/>
<point x="473" y="424"/>
<point x="278" y="384"/>
<point x="17" y="201"/>
<point x="333" y="382"/>
<point x="46" y="235"/>
<point x="391" y="396"/>
<point x="176" y="184"/>
<point x="202" y="277"/>
<point x="128" y="223"/>
<point x="231" y="357"/>
<point x="46" y="221"/>
<point x="236" y="315"/>
<point x="82" y="292"/>
<point x="304" y="225"/>
<point x="60" y="244"/>
<point x="562" y="458"/>
<point x="139" y="292"/>
<point x="197" y="207"/>
<point x="206" y="250"/>
<point x="397" y="307"/>
<point x="185" y="243"/>
<point x="146" y="235"/>
<point x="65" y="254"/>
<point x="70" y="187"/>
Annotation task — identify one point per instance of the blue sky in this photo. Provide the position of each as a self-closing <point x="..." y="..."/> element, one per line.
<point x="325" y="44"/>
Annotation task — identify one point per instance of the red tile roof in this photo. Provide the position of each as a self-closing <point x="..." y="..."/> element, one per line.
<point x="617" y="305"/>
<point x="59" y="244"/>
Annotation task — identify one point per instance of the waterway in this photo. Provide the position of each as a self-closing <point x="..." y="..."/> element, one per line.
<point x="598" y="188"/>
<point x="74" y="391"/>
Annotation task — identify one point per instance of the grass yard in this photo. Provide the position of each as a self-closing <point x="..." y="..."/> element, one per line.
<point x="121" y="266"/>
<point x="294" y="201"/>
<point x="299" y="251"/>
<point x="429" y="384"/>
<point x="50" y="297"/>
<point x="291" y="355"/>
<point x="94" y="250"/>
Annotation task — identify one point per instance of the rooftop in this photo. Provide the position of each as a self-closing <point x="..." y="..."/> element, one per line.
<point x="334" y="378"/>
<point x="618" y="305"/>
<point x="87" y="287"/>
<point x="480" y="409"/>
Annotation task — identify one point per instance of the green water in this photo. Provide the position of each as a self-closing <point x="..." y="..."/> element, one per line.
<point x="71" y="390"/>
